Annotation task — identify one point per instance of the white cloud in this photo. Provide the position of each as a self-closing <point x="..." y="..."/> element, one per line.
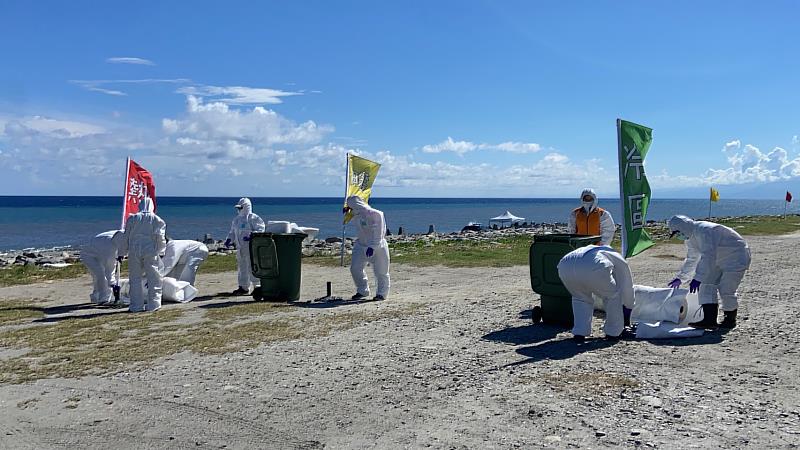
<point x="97" y="85"/>
<point x="751" y="165"/>
<point x="130" y="60"/>
<point x="26" y="127"/>
<point x="462" y="147"/>
<point x="449" y="145"/>
<point x="217" y="130"/>
<point x="238" y="95"/>
<point x="236" y="172"/>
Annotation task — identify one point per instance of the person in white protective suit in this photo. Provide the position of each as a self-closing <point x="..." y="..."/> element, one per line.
<point x="145" y="238"/>
<point x="591" y="220"/>
<point x="245" y="223"/>
<point x="716" y="259"/>
<point x="100" y="256"/>
<point x="370" y="247"/>
<point x="602" y="272"/>
<point x="182" y="258"/>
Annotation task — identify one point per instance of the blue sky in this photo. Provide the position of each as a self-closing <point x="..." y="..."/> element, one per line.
<point x="456" y="99"/>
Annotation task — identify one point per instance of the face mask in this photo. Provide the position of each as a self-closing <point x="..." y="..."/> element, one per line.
<point x="588" y="206"/>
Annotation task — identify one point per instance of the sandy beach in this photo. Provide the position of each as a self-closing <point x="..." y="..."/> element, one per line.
<point x="451" y="360"/>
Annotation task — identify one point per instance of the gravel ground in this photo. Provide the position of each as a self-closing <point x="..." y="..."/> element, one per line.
<point x="461" y="367"/>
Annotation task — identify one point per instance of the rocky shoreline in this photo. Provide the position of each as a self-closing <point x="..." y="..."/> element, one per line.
<point x="331" y="246"/>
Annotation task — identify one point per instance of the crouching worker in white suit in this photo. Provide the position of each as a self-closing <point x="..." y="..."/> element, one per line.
<point x="601" y="271"/>
<point x="716" y="259"/>
<point x="100" y="256"/>
<point x="370" y="246"/>
<point x="182" y="259"/>
<point x="144" y="235"/>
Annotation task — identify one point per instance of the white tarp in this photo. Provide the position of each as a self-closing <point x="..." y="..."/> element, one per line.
<point x="653" y="308"/>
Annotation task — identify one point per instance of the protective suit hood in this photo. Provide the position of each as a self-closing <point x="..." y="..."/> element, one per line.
<point x="246" y="206"/>
<point x="682" y="224"/>
<point x="357" y="204"/>
<point x="590" y="191"/>
<point x="146" y="205"/>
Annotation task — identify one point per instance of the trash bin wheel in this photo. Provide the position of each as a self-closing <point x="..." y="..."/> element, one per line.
<point x="536" y="314"/>
<point x="257" y="294"/>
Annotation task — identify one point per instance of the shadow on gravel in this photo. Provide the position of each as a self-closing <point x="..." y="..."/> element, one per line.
<point x="560" y="349"/>
<point x="332" y="303"/>
<point x="227" y="304"/>
<point x="710" y="337"/>
<point x="63" y="309"/>
<point x="528" y="334"/>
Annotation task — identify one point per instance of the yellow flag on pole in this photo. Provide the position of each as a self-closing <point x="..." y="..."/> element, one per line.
<point x="714" y="195"/>
<point x="361" y="174"/>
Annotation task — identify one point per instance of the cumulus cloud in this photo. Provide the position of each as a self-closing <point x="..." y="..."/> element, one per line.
<point x="217" y="130"/>
<point x="462" y="147"/>
<point x="749" y="164"/>
<point x="130" y="60"/>
<point x="238" y="95"/>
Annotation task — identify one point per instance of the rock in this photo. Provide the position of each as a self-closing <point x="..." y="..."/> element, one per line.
<point x="333" y="240"/>
<point x="599" y="433"/>
<point x="649" y="400"/>
<point x="29" y="254"/>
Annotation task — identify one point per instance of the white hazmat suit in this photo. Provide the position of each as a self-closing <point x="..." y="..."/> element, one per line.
<point x="369" y="247"/>
<point x="182" y="258"/>
<point x="606" y="224"/>
<point x="245" y="223"/>
<point x="99" y="255"/>
<point x="600" y="271"/>
<point x="145" y="238"/>
<point x="716" y="256"/>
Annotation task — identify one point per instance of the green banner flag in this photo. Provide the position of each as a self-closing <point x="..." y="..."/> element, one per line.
<point x="634" y="190"/>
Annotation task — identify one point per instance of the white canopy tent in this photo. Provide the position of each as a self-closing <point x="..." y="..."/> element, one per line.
<point x="506" y="219"/>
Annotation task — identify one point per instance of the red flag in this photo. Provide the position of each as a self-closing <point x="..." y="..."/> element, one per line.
<point x="788" y="196"/>
<point x="138" y="184"/>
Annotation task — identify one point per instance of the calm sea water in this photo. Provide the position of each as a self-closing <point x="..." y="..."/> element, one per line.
<point x="45" y="222"/>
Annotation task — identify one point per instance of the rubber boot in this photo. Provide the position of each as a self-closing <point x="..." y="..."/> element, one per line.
<point x="626" y="314"/>
<point x="709" y="317"/>
<point x="729" y="321"/>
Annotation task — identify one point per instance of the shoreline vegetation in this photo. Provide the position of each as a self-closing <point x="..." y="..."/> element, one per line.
<point x="486" y="248"/>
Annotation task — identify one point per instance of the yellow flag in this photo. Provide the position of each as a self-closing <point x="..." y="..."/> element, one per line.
<point x="714" y="195"/>
<point x="361" y="174"/>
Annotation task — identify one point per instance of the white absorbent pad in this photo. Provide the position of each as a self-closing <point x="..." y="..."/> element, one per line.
<point x="177" y="291"/>
<point x="666" y="330"/>
<point x="653" y="305"/>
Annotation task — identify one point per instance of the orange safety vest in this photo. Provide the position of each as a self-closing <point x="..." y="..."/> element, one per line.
<point x="588" y="224"/>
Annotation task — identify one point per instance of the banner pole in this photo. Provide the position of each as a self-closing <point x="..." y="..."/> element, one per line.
<point x="346" y="185"/>
<point x="125" y="192"/>
<point x="624" y="228"/>
<point x="785" y="204"/>
<point x="709" y="207"/>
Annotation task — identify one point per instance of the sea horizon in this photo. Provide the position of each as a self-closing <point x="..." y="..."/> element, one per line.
<point x="46" y="221"/>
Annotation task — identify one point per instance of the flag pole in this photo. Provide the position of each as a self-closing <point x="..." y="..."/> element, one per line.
<point x="709" y="206"/>
<point x="624" y="228"/>
<point x="785" y="205"/>
<point x="346" y="185"/>
<point x="125" y="191"/>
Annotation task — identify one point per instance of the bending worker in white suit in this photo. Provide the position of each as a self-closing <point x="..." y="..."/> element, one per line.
<point x="592" y="220"/>
<point x="245" y="223"/>
<point x="370" y="246"/>
<point x="716" y="259"/>
<point x="144" y="235"/>
<point x="100" y="256"/>
<point x="601" y="271"/>
<point x="182" y="258"/>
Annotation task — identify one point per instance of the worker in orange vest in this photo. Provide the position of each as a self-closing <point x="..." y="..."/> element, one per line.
<point x="591" y="220"/>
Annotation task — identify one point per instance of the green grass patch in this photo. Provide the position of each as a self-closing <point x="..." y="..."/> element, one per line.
<point x="763" y="225"/>
<point x="218" y="263"/>
<point x="19" y="311"/>
<point x="17" y="275"/>
<point x="110" y="342"/>
<point x="500" y="252"/>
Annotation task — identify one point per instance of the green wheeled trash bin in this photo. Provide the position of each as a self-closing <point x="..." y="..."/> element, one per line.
<point x="556" y="301"/>
<point x="275" y="260"/>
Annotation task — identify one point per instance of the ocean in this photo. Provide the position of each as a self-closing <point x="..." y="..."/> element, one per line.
<point x="47" y="222"/>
